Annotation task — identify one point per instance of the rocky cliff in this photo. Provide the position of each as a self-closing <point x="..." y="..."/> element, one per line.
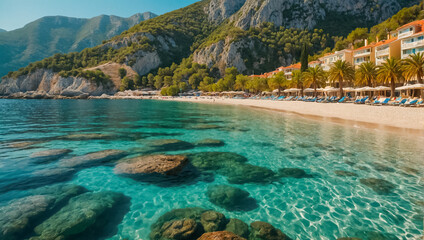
<point x="301" y="13"/>
<point x="218" y="33"/>
<point x="44" y="83"/>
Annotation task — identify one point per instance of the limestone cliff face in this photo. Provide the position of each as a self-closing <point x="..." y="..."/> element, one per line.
<point x="228" y="53"/>
<point x="44" y="83"/>
<point x="143" y="61"/>
<point x="301" y="13"/>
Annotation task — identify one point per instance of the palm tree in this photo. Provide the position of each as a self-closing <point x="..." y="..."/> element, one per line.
<point x="366" y="74"/>
<point x="414" y="67"/>
<point x="341" y="71"/>
<point x="277" y="81"/>
<point x="314" y="76"/>
<point x="297" y="80"/>
<point x="390" y="72"/>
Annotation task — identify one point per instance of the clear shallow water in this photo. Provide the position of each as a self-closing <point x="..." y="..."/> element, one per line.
<point x="325" y="206"/>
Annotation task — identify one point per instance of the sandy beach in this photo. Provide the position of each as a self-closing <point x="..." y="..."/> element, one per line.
<point x="406" y="119"/>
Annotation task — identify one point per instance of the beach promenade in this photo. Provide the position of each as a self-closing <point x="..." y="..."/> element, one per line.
<point x="405" y="119"/>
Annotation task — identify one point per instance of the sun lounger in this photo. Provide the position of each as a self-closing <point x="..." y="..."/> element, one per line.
<point x="342" y="100"/>
<point x="410" y="103"/>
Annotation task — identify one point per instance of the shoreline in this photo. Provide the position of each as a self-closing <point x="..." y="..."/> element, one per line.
<point x="406" y="120"/>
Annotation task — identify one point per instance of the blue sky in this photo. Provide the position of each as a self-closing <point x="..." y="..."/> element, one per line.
<point x="16" y="13"/>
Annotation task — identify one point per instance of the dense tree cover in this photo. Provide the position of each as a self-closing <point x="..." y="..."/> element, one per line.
<point x="381" y="30"/>
<point x="188" y="27"/>
<point x="271" y="43"/>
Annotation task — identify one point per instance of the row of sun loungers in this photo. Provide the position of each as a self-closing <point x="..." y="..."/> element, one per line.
<point x="378" y="101"/>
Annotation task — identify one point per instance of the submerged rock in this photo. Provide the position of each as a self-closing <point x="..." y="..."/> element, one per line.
<point x="265" y="231"/>
<point x="213" y="221"/>
<point x="25" y="144"/>
<point x="247" y="173"/>
<point x="49" y="155"/>
<point x="343" y="173"/>
<point x="231" y="198"/>
<point x="204" y="127"/>
<point x="382" y="168"/>
<point x="164" y="145"/>
<point x="379" y="186"/>
<point x="86" y="136"/>
<point x="223" y="235"/>
<point x="293" y="173"/>
<point x="349" y="238"/>
<point x="209" y="143"/>
<point x="172" y="216"/>
<point x="181" y="229"/>
<point x="231" y="165"/>
<point x="153" y="164"/>
<point x="238" y="227"/>
<point x="78" y="215"/>
<point x="215" y="160"/>
<point x="38" y="179"/>
<point x="19" y="217"/>
<point x="93" y="159"/>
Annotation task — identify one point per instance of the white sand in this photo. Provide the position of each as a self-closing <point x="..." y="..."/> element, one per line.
<point x="408" y="119"/>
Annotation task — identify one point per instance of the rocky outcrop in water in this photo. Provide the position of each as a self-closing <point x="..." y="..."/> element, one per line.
<point x="231" y="198"/>
<point x="92" y="159"/>
<point x="223" y="235"/>
<point x="198" y="223"/>
<point x="49" y="155"/>
<point x="209" y="143"/>
<point x="19" y="216"/>
<point x="154" y="164"/>
<point x="82" y="213"/>
<point x="379" y="186"/>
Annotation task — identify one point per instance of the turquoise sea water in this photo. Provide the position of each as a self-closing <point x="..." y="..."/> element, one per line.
<point x="323" y="206"/>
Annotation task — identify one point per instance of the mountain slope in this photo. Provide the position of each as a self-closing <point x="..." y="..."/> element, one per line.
<point x="49" y="35"/>
<point x="209" y="33"/>
<point x="2" y="30"/>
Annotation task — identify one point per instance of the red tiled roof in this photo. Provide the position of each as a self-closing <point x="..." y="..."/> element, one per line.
<point x="365" y="47"/>
<point x="414" y="23"/>
<point x="384" y="42"/>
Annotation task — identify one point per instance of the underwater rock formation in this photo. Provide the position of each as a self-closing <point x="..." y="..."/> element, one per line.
<point x="343" y="173"/>
<point x="379" y="186"/>
<point x="265" y="231"/>
<point x="93" y="159"/>
<point x="209" y="143"/>
<point x="191" y="223"/>
<point x="153" y="164"/>
<point x="49" y="155"/>
<point x="222" y="235"/>
<point x="231" y="198"/>
<point x="293" y="173"/>
<point x="19" y="216"/>
<point x="79" y="215"/>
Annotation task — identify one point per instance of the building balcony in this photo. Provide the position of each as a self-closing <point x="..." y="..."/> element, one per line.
<point x="412" y="45"/>
<point x="406" y="34"/>
<point x="382" y="52"/>
<point x="362" y="54"/>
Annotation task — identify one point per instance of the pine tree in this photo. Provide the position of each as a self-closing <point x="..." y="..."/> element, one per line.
<point x="304" y="58"/>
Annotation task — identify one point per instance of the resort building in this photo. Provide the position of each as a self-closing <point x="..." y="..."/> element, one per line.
<point x="412" y="37"/>
<point x="330" y="58"/>
<point x="387" y="49"/>
<point x="314" y="64"/>
<point x="288" y="71"/>
<point x="364" y="54"/>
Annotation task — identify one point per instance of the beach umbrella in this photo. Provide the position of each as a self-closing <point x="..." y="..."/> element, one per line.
<point x="382" y="88"/>
<point x="416" y="86"/>
<point x="349" y="89"/>
<point x="330" y="89"/>
<point x="308" y="90"/>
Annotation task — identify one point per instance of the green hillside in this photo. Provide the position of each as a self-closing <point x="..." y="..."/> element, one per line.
<point x="49" y="35"/>
<point x="176" y="36"/>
